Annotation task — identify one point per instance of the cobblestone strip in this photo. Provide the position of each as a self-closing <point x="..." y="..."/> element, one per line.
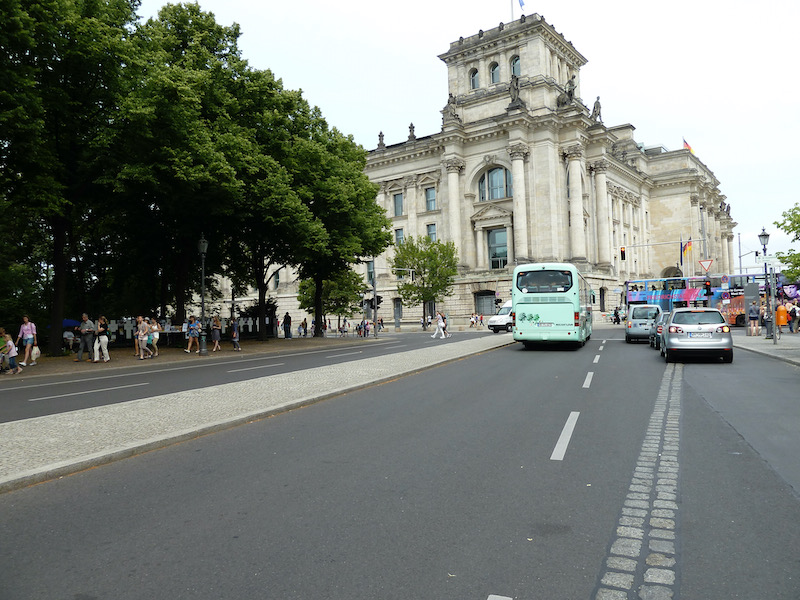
<point x="641" y="562"/>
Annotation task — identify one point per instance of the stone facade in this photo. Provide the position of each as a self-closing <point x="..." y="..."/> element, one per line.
<point x="523" y="171"/>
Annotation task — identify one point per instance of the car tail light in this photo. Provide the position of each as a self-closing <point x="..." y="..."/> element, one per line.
<point x="577" y="319"/>
<point x="659" y="329"/>
<point x="723" y="329"/>
<point x="675" y="329"/>
<point x="630" y="324"/>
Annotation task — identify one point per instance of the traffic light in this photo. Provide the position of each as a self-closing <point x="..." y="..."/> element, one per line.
<point x="378" y="300"/>
<point x="707" y="287"/>
<point x="622" y="252"/>
<point x="497" y="301"/>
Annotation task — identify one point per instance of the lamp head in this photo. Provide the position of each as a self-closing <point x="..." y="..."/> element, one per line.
<point x="202" y="245"/>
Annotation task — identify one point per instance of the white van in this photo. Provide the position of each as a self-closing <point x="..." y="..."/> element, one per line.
<point x="502" y="320"/>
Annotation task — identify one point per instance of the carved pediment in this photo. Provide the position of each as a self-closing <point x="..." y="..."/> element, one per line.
<point x="491" y="216"/>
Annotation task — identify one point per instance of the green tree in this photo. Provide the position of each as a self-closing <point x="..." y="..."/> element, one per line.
<point x="341" y="295"/>
<point x="174" y="139"/>
<point x="434" y="267"/>
<point x="329" y="176"/>
<point x="64" y="66"/>
<point x="274" y="228"/>
<point x="791" y="225"/>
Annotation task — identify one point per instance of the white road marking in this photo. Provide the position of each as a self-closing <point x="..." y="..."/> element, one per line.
<point x="87" y="392"/>
<point x="258" y="367"/>
<point x="588" y="381"/>
<point x="596" y="358"/>
<point x="601" y="347"/>
<point x="566" y="435"/>
<point x="344" y="354"/>
<point x="495" y="597"/>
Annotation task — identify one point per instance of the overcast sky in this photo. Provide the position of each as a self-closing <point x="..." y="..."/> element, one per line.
<point x="720" y="73"/>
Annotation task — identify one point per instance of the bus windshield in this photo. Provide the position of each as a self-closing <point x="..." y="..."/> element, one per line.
<point x="544" y="281"/>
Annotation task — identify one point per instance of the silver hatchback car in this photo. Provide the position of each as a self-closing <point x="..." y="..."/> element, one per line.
<point x="698" y="332"/>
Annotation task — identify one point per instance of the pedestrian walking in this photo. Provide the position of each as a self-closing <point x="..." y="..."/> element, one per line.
<point x="86" y="329"/>
<point x="439" y="325"/>
<point x="287" y="326"/>
<point x="27" y="333"/>
<point x="101" y="340"/>
<point x="752" y="316"/>
<point x="193" y="333"/>
<point x="143" y="332"/>
<point x="216" y="333"/>
<point x="235" y="335"/>
<point x="155" y="334"/>
<point x="10" y="352"/>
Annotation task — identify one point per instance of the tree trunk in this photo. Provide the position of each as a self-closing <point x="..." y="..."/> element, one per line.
<point x="59" y="285"/>
<point x="319" y="330"/>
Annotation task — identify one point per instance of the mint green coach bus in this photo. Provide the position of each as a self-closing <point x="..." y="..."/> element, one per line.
<point x="551" y="302"/>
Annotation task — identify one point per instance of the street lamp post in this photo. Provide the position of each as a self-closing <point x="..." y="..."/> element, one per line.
<point x="763" y="239"/>
<point x="202" y="247"/>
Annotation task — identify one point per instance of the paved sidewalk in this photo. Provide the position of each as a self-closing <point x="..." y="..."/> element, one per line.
<point x="44" y="448"/>
<point x="787" y="347"/>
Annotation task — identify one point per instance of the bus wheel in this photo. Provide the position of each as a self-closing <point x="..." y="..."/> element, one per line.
<point x="740" y="320"/>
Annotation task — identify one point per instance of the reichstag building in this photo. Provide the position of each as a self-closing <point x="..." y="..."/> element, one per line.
<point x="525" y="170"/>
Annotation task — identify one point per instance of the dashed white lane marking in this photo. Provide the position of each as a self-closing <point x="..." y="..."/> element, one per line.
<point x="566" y="435"/>
<point x="119" y="387"/>
<point x="588" y="381"/>
<point x="344" y="354"/>
<point x="494" y="597"/>
<point x="596" y="359"/>
<point x="600" y="349"/>
<point x="258" y="367"/>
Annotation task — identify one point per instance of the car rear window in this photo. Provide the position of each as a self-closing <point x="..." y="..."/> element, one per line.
<point x="698" y="317"/>
<point x="644" y="312"/>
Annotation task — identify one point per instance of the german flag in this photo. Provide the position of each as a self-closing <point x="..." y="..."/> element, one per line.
<point x="686" y="146"/>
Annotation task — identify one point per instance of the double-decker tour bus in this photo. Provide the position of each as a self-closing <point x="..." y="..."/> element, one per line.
<point x="551" y="302"/>
<point x="724" y="292"/>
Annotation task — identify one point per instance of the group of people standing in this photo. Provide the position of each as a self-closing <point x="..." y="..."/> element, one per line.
<point x="786" y="313"/>
<point x="193" y="329"/>
<point x="93" y="338"/>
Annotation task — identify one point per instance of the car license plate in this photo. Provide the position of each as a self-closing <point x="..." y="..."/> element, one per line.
<point x="699" y="335"/>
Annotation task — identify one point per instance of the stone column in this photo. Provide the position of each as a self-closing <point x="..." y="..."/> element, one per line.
<point x="521" y="231"/>
<point x="577" y="239"/>
<point x="603" y="217"/>
<point x="454" y="167"/>
<point x="412" y="204"/>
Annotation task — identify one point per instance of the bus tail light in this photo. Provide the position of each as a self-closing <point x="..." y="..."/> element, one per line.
<point x="513" y="316"/>
<point x="577" y="319"/>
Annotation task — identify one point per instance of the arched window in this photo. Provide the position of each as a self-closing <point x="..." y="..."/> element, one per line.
<point x="495" y="184"/>
<point x="474" y="79"/>
<point x="515" y="70"/>
<point x="494" y="73"/>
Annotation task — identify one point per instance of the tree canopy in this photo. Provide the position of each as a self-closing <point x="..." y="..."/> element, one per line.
<point x="429" y="268"/>
<point x="121" y="143"/>
<point x="791" y="224"/>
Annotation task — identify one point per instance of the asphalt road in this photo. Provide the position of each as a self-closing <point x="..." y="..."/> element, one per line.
<point x="510" y="473"/>
<point x="34" y="397"/>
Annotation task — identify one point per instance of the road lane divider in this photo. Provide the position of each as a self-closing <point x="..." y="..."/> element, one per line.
<point x="596" y="359"/>
<point x="588" y="381"/>
<point x="111" y="389"/>
<point x="256" y="367"/>
<point x="566" y="435"/>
